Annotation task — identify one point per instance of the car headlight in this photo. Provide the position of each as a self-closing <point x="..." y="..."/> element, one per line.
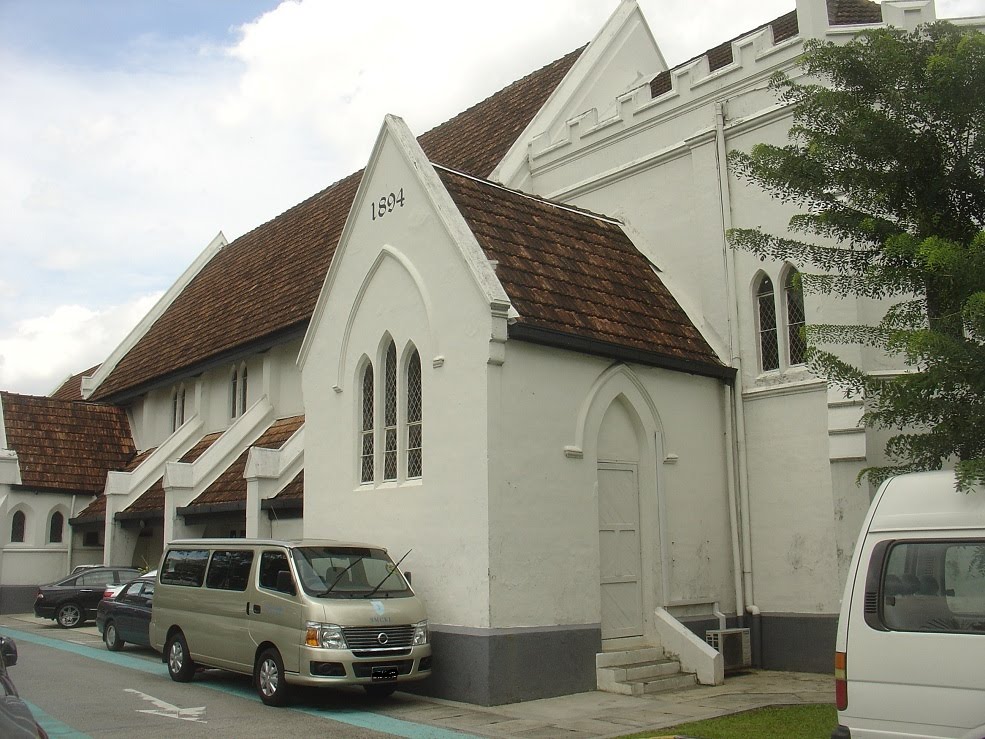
<point x="326" y="636"/>
<point x="420" y="633"/>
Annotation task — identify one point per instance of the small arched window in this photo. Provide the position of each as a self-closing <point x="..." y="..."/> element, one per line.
<point x="17" y="525"/>
<point x="366" y="448"/>
<point x="769" y="353"/>
<point x="415" y="436"/>
<point x="793" y="293"/>
<point x="237" y="391"/>
<point x="177" y="408"/>
<point x="56" y="527"/>
<point x="390" y="413"/>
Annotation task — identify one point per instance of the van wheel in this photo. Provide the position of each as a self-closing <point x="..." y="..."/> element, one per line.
<point x="69" y="616"/>
<point x="379" y="691"/>
<point x="180" y="665"/>
<point x="268" y="678"/>
<point x="112" y="638"/>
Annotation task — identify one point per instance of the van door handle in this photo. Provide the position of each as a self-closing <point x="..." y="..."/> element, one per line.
<point x="256" y="608"/>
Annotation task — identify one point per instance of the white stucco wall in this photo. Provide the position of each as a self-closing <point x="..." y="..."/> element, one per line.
<point x="544" y="540"/>
<point x="401" y="276"/>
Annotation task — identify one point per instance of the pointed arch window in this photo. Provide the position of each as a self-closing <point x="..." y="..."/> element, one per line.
<point x="238" y="384"/>
<point x="793" y="294"/>
<point x="366" y="443"/>
<point x="17" y="526"/>
<point x="390" y="413"/>
<point x="415" y="409"/>
<point x="769" y="353"/>
<point x="177" y="408"/>
<point x="56" y="527"/>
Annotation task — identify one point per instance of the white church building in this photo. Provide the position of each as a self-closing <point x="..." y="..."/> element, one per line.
<point x="519" y="346"/>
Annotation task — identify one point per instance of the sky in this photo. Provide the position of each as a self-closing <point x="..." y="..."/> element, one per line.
<point x="134" y="131"/>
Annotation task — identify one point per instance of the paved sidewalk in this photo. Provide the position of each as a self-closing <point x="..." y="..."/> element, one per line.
<point x="593" y="715"/>
<point x="598" y="714"/>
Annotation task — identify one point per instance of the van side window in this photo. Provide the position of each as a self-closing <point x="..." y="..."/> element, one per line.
<point x="230" y="570"/>
<point x="272" y="563"/>
<point x="934" y="586"/>
<point x="185" y="567"/>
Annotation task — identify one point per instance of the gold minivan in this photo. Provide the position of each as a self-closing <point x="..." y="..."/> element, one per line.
<point x="312" y="612"/>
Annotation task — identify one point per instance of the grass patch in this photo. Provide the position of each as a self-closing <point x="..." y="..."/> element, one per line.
<point x="789" y="722"/>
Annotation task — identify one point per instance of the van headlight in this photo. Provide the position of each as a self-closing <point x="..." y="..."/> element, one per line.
<point x="326" y="636"/>
<point x="420" y="633"/>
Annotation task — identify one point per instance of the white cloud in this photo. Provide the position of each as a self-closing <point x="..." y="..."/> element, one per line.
<point x="115" y="179"/>
<point x="44" y="351"/>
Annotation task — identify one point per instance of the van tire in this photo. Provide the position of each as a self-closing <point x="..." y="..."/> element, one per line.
<point x="112" y="637"/>
<point x="180" y="664"/>
<point x="69" y="615"/>
<point x="268" y="678"/>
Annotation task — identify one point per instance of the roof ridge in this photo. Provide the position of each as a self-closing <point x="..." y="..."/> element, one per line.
<point x="528" y="196"/>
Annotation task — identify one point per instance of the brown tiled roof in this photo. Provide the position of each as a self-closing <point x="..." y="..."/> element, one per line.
<point x="152" y="499"/>
<point x="96" y="510"/>
<point x="840" y="13"/>
<point x="66" y="446"/>
<point x="294" y="490"/>
<point x="230" y="486"/>
<point x="572" y="273"/>
<point x="850" y="12"/>
<point x="264" y="285"/>
<point x="71" y="389"/>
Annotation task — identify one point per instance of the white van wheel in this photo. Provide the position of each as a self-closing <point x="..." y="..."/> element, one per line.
<point x="180" y="664"/>
<point x="268" y="678"/>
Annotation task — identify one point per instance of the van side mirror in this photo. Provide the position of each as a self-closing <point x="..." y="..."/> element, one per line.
<point x="407" y="577"/>
<point x="285" y="583"/>
<point x="8" y="649"/>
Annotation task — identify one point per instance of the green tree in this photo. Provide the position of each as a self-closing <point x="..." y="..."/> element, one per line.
<point x="886" y="164"/>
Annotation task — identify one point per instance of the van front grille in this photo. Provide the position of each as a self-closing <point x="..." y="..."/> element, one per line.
<point x="381" y="637"/>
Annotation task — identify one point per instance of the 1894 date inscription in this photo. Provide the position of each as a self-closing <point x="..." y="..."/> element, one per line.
<point x="386" y="204"/>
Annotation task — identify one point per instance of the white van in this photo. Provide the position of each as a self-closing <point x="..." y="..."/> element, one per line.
<point x="312" y="612"/>
<point x="910" y="653"/>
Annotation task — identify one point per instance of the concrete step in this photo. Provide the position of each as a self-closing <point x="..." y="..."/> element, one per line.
<point x="640" y="671"/>
<point x="629" y="657"/>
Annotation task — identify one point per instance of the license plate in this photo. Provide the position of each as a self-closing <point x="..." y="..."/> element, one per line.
<point x="384" y="674"/>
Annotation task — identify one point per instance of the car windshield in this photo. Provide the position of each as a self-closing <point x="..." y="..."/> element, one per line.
<point x="349" y="572"/>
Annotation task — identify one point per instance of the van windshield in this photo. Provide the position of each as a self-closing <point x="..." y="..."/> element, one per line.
<point x="349" y="572"/>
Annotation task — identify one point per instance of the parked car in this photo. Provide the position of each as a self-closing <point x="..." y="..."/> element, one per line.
<point x="112" y="591"/>
<point x="126" y="617"/>
<point x="72" y="600"/>
<point x="16" y="720"/>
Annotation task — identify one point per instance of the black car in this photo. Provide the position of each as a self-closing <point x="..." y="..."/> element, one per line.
<point x="126" y="618"/>
<point x="72" y="600"/>
<point x="16" y="720"/>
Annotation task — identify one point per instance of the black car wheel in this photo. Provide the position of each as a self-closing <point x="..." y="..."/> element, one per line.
<point x="69" y="615"/>
<point x="268" y="678"/>
<point x="180" y="665"/>
<point x="112" y="638"/>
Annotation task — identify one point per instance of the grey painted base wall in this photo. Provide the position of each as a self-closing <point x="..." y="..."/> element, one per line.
<point x="491" y="667"/>
<point x="17" y="598"/>
<point x="791" y="642"/>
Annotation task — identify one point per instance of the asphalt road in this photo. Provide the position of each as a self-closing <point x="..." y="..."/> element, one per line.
<point x="77" y="688"/>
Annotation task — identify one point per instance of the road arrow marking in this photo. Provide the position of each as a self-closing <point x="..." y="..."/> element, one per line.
<point x="169" y="711"/>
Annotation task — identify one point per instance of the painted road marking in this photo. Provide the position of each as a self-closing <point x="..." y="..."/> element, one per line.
<point x="362" y="719"/>
<point x="167" y="710"/>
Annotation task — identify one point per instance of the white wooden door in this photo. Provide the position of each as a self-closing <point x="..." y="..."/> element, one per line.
<point x="619" y="546"/>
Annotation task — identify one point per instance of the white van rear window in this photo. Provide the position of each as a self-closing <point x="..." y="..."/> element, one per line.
<point x="934" y="586"/>
<point x="185" y="567"/>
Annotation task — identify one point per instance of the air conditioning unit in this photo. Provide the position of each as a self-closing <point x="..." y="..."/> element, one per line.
<point x="735" y="646"/>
